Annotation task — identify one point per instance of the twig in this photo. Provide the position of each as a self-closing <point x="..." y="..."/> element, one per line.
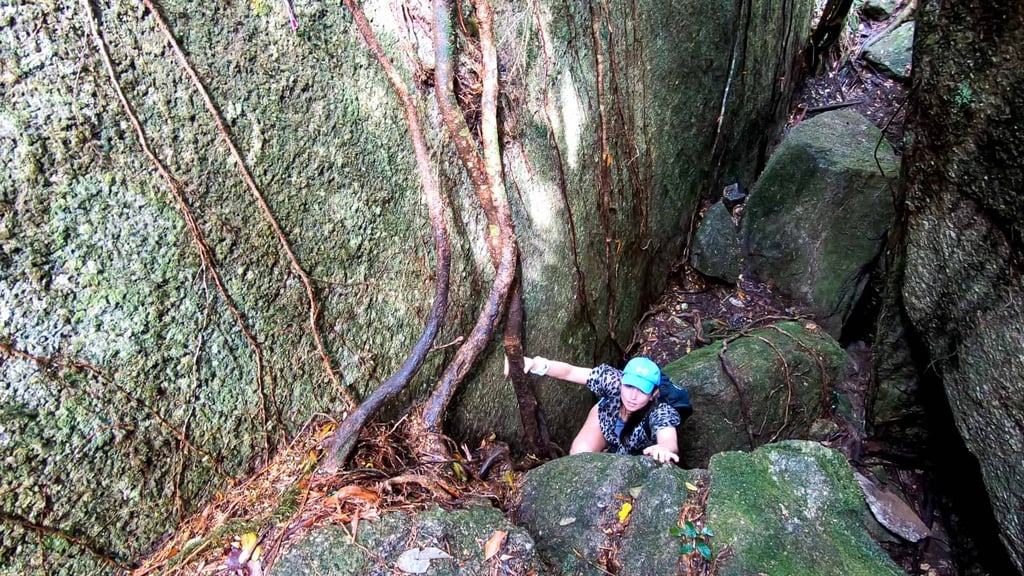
<point x="835" y="106"/>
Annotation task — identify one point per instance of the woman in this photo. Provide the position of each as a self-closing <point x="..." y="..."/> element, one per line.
<point x="629" y="418"/>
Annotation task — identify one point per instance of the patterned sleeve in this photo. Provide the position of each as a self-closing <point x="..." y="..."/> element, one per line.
<point x="663" y="416"/>
<point x="604" y="380"/>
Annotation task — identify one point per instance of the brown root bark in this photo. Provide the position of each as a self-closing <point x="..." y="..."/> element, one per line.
<point x="342" y="442"/>
<point x="467" y="354"/>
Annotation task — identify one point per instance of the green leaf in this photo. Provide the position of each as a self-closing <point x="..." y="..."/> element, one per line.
<point x="704" y="550"/>
<point x="686" y="549"/>
<point x="690" y="530"/>
<point x="706" y="531"/>
<point x="675" y="531"/>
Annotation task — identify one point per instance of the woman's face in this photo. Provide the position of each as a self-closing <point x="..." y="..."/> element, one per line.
<point x="633" y="398"/>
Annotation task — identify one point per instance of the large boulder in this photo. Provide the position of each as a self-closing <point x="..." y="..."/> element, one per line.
<point x="792" y="508"/>
<point x="438" y="542"/>
<point x="817" y="218"/>
<point x="893" y="52"/>
<point x="788" y="508"/>
<point x="962" y="246"/>
<point x="768" y="385"/>
<point x="572" y="508"/>
<point x="135" y="381"/>
<point x="716" y="246"/>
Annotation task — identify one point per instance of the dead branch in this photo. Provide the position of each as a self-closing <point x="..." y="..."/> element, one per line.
<point x="206" y="255"/>
<point x="314" y="307"/>
<point x="529" y="409"/>
<point x="341" y="444"/>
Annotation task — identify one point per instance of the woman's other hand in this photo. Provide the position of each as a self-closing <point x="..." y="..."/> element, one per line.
<point x="661" y="454"/>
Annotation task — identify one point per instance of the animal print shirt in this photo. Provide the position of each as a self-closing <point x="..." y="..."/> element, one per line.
<point x="605" y="382"/>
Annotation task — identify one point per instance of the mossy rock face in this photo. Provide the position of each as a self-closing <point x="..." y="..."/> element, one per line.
<point x="772" y="386"/>
<point x="459" y="533"/>
<point x="816" y="219"/>
<point x="791" y="508"/>
<point x="571" y="507"/>
<point x="962" y="287"/>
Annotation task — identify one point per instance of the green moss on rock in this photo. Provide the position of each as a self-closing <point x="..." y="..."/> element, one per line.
<point x="791" y="508"/>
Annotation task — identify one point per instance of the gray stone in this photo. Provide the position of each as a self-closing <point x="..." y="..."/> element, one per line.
<point x="893" y="53"/>
<point x="716" y="245"/>
<point x="962" y="288"/>
<point x="461" y="534"/>
<point x="817" y="218"/>
<point x="878" y="9"/>
<point x="571" y="506"/>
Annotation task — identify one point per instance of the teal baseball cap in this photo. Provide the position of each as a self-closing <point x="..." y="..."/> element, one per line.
<point x="642" y="373"/>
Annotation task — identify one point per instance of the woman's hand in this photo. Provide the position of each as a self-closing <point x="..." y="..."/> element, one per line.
<point x="527" y="364"/>
<point x="661" y="454"/>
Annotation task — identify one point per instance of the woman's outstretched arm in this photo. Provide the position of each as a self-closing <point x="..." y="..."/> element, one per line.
<point x="561" y="370"/>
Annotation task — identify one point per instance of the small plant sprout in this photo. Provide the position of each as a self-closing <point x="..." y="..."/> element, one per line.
<point x="694" y="540"/>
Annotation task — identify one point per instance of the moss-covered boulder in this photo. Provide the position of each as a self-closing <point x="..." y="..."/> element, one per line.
<point x="817" y="217"/>
<point x="893" y="52"/>
<point x="572" y="508"/>
<point x="754" y="389"/>
<point x="791" y="508"/>
<point x="379" y="546"/>
<point x="716" y="246"/>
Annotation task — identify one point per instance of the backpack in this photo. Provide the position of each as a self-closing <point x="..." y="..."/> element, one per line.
<point x="675" y="396"/>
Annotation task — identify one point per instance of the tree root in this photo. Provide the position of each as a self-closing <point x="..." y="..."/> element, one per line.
<point x="744" y="406"/>
<point x="47" y="364"/>
<point x="314" y="307"/>
<point x="466" y="355"/>
<point x="206" y="255"/>
<point x="341" y="443"/>
<point x="48" y="531"/>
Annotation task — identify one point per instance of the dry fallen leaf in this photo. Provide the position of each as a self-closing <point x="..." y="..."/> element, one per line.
<point x="247" y="544"/>
<point x="691" y="487"/>
<point x="352" y="492"/>
<point x="494" y="543"/>
<point x="417" y="560"/>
